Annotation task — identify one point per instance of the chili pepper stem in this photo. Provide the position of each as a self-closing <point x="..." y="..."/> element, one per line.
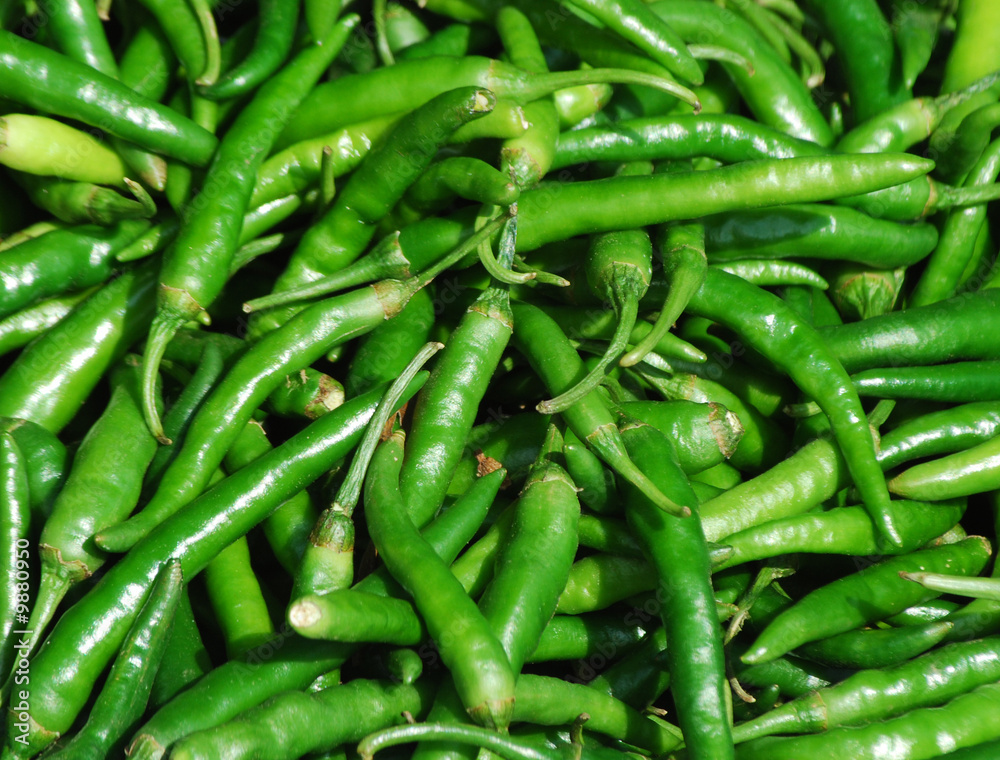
<point x="606" y="441"/>
<point x="145" y="747"/>
<point x="627" y="306"/>
<point x="51" y="590"/>
<point x="165" y="325"/>
<point x="213" y="51"/>
<point x="148" y="204"/>
<point x="977" y="588"/>
<point x="387" y="255"/>
<point x="543" y="84"/>
<point x="478" y="737"/>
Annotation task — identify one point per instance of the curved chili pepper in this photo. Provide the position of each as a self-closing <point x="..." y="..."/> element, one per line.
<point x="197" y="267"/>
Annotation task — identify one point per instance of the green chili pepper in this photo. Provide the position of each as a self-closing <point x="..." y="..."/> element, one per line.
<point x="586" y="637"/>
<point x="678" y="551"/>
<point x="45" y="461"/>
<point x="835" y="608"/>
<point x="917" y="336"/>
<point x="446" y="409"/>
<point x="477" y="661"/>
<point x="83" y="202"/>
<point x="955" y="382"/>
<point x="275" y="34"/>
<point x="944" y="432"/>
<point x="847" y="530"/>
<point x="926" y="681"/>
<point x="503" y="746"/>
<point x="610" y="204"/>
<point x="359" y="707"/>
<point x="285" y="663"/>
<point x="197" y="266"/>
<point x="101" y="489"/>
<point x="62" y="260"/>
<point x="877" y="648"/>
<point x="97" y="626"/>
<point x="40" y="145"/>
<point x="185" y="658"/>
<point x="123" y="697"/>
<point x="818" y="232"/>
<point x="534" y="561"/>
<point x="14" y="545"/>
<point x="966" y="472"/>
<point x="116" y="316"/>
<point x="922" y="733"/>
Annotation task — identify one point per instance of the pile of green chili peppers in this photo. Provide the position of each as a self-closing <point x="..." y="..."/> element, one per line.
<point x="556" y="379"/>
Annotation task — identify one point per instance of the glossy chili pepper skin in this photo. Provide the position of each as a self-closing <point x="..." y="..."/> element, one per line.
<point x="925" y="733"/>
<point x="947" y="331"/>
<point x="447" y="407"/>
<point x="196" y="267"/>
<point x="847" y="530"/>
<point x="50" y="82"/>
<point x="24" y="325"/>
<point x="816" y="232"/>
<point x="478" y="663"/>
<point x="925" y="681"/>
<point x="578" y="637"/>
<point x="940" y="432"/>
<point x="62" y="260"/>
<point x="610" y="204"/>
<point x="876" y="648"/>
<point x="46" y="461"/>
<point x="954" y="382"/>
<point x="974" y="470"/>
<point x="237" y="600"/>
<point x="800" y="352"/>
<point x="123" y="697"/>
<point x="101" y="489"/>
<point x="94" y="629"/>
<point x="14" y="544"/>
<point x="534" y="562"/>
<point x="275" y="35"/>
<point x="724" y="137"/>
<point x="185" y="658"/>
<point x="676" y="547"/>
<point x="257" y="373"/>
<point x="834" y="608"/>
<point x="115" y="315"/>
<point x="41" y="146"/>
